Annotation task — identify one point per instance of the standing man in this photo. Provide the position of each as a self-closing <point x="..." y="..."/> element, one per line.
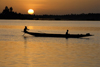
<point x="25" y="30"/>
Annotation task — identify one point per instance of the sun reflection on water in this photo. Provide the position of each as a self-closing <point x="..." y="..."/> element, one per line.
<point x="52" y="28"/>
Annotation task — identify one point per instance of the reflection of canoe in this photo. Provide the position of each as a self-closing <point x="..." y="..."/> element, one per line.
<point x="58" y="35"/>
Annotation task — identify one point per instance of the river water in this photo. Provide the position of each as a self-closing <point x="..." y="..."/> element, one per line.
<point x="17" y="50"/>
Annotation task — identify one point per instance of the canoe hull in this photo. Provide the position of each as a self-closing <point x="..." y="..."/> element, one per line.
<point x="58" y="35"/>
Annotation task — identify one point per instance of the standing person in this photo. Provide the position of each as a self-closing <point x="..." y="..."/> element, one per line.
<point x="25" y="29"/>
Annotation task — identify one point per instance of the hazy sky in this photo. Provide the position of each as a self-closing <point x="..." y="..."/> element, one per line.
<point x="52" y="6"/>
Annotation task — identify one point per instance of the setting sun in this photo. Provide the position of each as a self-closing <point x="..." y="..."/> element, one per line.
<point x="30" y="11"/>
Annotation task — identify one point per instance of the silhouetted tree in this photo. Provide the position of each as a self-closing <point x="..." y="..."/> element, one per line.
<point x="6" y="10"/>
<point x="11" y="9"/>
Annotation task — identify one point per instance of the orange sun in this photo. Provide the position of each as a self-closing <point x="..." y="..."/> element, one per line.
<point x="30" y="11"/>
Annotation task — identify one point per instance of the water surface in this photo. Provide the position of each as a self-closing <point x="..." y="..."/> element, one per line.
<point x="29" y="51"/>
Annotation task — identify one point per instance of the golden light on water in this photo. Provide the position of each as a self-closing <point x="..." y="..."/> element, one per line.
<point x="52" y="28"/>
<point x="30" y="27"/>
<point x="30" y="51"/>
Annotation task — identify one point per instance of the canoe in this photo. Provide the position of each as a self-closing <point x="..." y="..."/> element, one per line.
<point x="58" y="35"/>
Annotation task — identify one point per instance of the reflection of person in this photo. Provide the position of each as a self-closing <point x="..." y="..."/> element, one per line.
<point x="25" y="29"/>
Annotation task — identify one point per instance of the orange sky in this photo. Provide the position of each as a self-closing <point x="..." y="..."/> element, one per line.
<point x="57" y="7"/>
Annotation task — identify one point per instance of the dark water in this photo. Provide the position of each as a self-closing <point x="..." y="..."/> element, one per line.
<point x="29" y="51"/>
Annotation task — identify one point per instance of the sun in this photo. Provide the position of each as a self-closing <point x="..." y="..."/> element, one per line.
<point x="30" y="11"/>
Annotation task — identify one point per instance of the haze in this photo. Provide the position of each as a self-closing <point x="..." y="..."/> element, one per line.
<point x="54" y="7"/>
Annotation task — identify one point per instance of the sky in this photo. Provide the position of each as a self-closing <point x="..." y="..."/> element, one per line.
<point x="52" y="7"/>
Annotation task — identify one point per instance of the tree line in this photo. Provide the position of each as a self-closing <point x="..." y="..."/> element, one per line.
<point x="8" y="13"/>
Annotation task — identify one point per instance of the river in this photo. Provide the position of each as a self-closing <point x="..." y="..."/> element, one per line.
<point x="17" y="50"/>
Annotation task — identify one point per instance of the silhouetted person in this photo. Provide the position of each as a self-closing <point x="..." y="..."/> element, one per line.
<point x="67" y="32"/>
<point x="25" y="29"/>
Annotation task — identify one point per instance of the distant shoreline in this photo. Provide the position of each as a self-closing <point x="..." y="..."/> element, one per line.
<point x="72" y="17"/>
<point x="8" y="13"/>
<point x="48" y="19"/>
